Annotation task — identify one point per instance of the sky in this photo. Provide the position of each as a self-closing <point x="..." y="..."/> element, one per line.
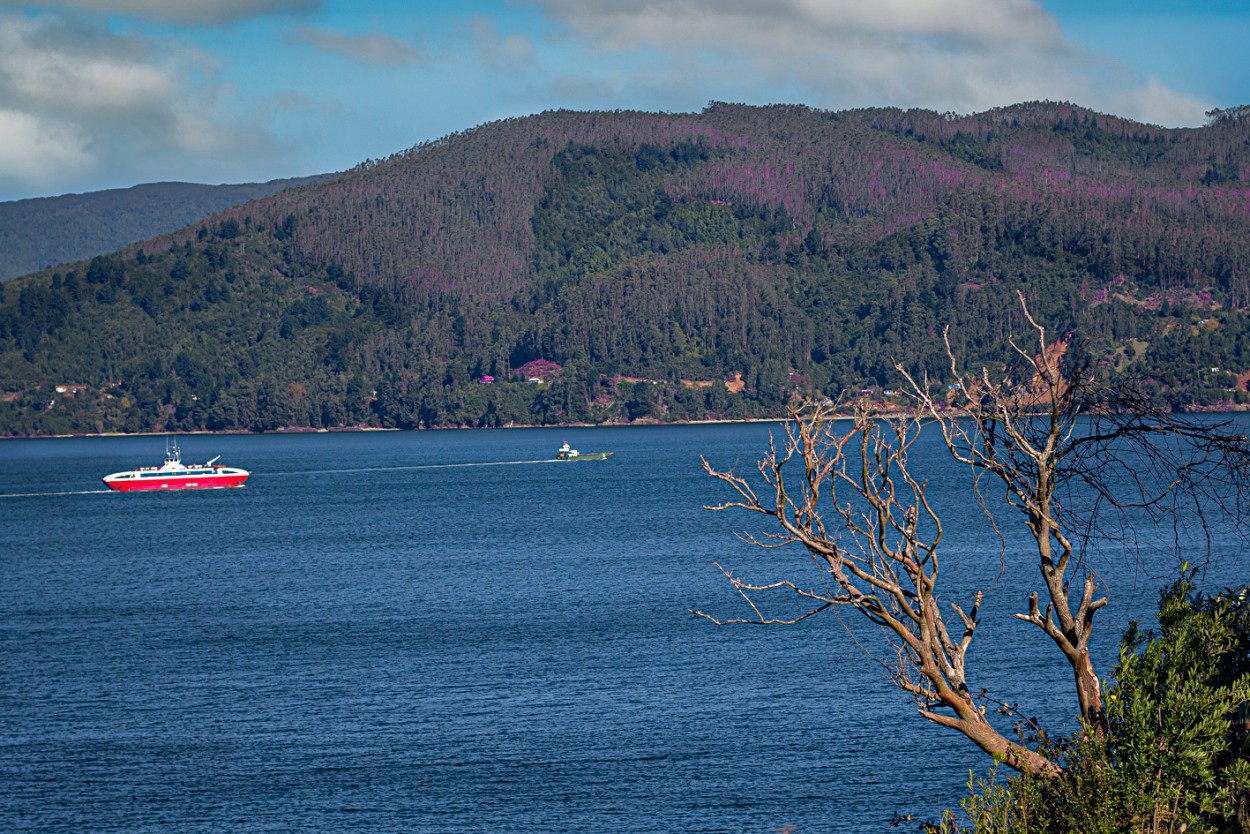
<point x="99" y="94"/>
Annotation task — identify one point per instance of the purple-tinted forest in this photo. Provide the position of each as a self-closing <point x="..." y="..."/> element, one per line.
<point x="653" y="258"/>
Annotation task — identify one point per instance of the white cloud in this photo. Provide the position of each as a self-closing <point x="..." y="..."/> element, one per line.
<point x="81" y="103"/>
<point x="40" y="149"/>
<point x="1156" y="103"/>
<point x="960" y="55"/>
<point x="189" y="12"/>
<point x="68" y="76"/>
<point x="806" y="24"/>
<point x="369" y="48"/>
<point x="507" y="51"/>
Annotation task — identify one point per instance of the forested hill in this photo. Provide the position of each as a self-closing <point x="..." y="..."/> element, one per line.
<point x="655" y="266"/>
<point x="41" y="232"/>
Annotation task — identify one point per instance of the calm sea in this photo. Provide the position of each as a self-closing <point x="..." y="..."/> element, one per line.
<point x="444" y="632"/>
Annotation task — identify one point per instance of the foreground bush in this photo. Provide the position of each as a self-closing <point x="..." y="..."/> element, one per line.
<point x="1173" y="756"/>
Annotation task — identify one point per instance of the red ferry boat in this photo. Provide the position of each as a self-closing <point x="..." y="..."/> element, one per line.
<point x="174" y="474"/>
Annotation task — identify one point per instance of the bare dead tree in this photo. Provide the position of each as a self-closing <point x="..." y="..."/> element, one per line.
<point x="1046" y="433"/>
<point x="879" y="553"/>
<point x="1052" y="427"/>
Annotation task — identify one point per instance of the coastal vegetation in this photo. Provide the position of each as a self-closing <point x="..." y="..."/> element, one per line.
<point x="1173" y="754"/>
<point x="672" y="266"/>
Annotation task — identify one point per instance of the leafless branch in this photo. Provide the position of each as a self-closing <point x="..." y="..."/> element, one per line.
<point x="880" y="558"/>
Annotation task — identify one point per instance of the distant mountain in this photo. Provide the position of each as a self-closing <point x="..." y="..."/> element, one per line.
<point x="640" y="266"/>
<point x="44" y="232"/>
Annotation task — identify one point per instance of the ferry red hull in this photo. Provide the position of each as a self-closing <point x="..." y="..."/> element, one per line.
<point x="196" y="482"/>
<point x="174" y="475"/>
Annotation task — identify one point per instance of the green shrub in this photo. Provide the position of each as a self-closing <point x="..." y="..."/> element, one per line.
<point x="1174" y="754"/>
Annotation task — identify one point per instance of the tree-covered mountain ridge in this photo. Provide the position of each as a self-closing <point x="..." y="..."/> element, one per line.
<point x="44" y="231"/>
<point x="625" y="266"/>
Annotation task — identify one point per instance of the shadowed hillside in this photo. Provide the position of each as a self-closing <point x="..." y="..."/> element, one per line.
<point x="47" y="231"/>
<point x="655" y="267"/>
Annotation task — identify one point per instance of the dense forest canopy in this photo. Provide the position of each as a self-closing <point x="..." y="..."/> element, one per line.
<point x="657" y="267"/>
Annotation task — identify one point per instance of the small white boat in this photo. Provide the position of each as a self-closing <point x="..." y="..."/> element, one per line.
<point x="565" y="453"/>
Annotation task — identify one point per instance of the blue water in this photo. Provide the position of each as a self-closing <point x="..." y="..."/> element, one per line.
<point x="444" y="632"/>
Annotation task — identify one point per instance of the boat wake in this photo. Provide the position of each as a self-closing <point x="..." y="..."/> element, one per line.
<point x="49" y="494"/>
<point x="266" y="475"/>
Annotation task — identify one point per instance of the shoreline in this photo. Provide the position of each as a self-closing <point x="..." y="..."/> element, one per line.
<point x="355" y="429"/>
<point x="1224" y="409"/>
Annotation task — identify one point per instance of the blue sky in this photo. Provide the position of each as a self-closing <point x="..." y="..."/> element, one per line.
<point x="110" y="93"/>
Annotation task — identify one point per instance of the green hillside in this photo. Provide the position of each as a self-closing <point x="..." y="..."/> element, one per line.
<point x="655" y="267"/>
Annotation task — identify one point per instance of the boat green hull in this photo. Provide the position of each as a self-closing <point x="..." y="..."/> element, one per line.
<point x="585" y="456"/>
